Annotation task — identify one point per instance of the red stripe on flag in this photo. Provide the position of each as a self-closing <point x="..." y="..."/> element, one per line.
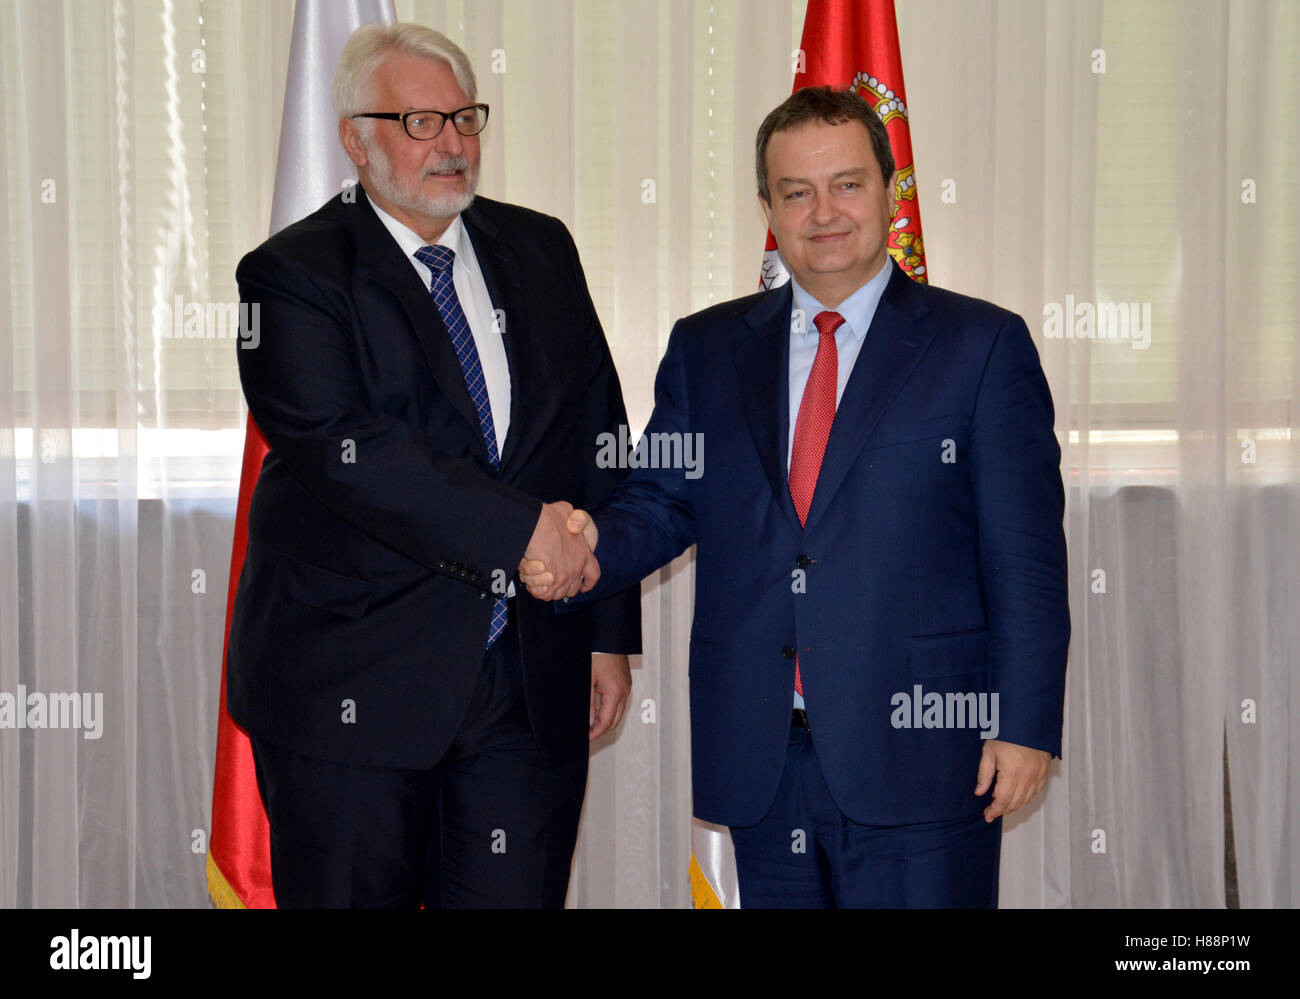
<point x="240" y="843"/>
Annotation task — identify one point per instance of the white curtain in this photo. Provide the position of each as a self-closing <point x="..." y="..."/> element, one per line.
<point x="1141" y="153"/>
<point x="1107" y="151"/>
<point x="139" y="144"/>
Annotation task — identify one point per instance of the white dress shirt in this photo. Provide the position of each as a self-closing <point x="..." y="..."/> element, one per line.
<point x="472" y="291"/>
<point x="475" y="302"/>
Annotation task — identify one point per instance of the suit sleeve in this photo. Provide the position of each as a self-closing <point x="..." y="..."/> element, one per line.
<point x="615" y="619"/>
<point x="1015" y="469"/>
<point x="651" y="519"/>
<point x="305" y="389"/>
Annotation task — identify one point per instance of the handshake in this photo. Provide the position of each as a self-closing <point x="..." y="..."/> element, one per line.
<point x="559" y="561"/>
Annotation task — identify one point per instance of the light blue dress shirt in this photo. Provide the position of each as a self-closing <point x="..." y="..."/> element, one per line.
<point x="858" y="310"/>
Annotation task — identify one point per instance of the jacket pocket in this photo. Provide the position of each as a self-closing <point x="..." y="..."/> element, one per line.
<point x="310" y="584"/>
<point x="951" y="654"/>
<point x="934" y="429"/>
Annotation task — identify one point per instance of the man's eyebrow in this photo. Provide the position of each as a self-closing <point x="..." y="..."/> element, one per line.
<point x="851" y="172"/>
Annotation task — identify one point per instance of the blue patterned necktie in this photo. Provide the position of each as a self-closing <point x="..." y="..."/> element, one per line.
<point x="439" y="259"/>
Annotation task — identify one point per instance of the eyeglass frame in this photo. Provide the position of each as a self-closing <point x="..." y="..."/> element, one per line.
<point x="447" y="116"/>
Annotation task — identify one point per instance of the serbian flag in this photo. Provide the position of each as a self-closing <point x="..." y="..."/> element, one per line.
<point x="311" y="168"/>
<point x="851" y="44"/>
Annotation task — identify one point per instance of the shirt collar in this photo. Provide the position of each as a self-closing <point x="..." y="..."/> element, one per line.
<point x="409" y="240"/>
<point x="857" y="310"/>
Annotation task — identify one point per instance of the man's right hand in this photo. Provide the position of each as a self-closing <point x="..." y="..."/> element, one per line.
<point x="558" y="561"/>
<point x="541" y="576"/>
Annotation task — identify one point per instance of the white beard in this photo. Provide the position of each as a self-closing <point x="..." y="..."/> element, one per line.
<point x="411" y="199"/>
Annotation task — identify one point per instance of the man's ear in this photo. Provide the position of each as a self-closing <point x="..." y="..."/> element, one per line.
<point x="767" y="209"/>
<point x="351" y="139"/>
<point x="891" y="192"/>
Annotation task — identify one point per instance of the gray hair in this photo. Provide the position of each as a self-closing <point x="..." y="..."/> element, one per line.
<point x="370" y="44"/>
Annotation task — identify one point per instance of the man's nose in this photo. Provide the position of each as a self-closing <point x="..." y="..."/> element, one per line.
<point x="449" y="142"/>
<point x="824" y="210"/>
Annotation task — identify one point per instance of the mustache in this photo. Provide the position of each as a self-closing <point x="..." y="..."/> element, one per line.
<point x="450" y="163"/>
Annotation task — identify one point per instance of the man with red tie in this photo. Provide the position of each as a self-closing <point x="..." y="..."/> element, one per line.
<point x="878" y="649"/>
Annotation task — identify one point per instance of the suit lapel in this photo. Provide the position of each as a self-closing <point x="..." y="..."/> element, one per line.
<point x="388" y="266"/>
<point x="501" y="273"/>
<point x="762" y="359"/>
<point x="889" y="354"/>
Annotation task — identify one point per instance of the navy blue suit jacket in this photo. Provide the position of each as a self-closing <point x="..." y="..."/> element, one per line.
<point x="933" y="554"/>
<point x="379" y="532"/>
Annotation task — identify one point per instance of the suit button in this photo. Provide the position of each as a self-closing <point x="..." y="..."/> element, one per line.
<point x="787" y="651"/>
<point x="803" y="561"/>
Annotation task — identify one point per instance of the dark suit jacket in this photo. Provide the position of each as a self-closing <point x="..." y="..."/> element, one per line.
<point x="378" y="529"/>
<point x="911" y="570"/>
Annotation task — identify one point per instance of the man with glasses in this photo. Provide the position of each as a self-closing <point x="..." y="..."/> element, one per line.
<point x="431" y="380"/>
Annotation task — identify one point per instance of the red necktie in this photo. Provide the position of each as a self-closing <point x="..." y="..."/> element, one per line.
<point x="813" y="427"/>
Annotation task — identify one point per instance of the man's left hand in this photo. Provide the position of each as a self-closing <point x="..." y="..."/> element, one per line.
<point x="1021" y="774"/>
<point x="611" y="684"/>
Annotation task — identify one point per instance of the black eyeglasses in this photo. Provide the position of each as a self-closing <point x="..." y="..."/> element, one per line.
<point x="425" y="125"/>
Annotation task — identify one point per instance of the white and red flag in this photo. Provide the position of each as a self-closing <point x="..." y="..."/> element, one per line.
<point x="311" y="167"/>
